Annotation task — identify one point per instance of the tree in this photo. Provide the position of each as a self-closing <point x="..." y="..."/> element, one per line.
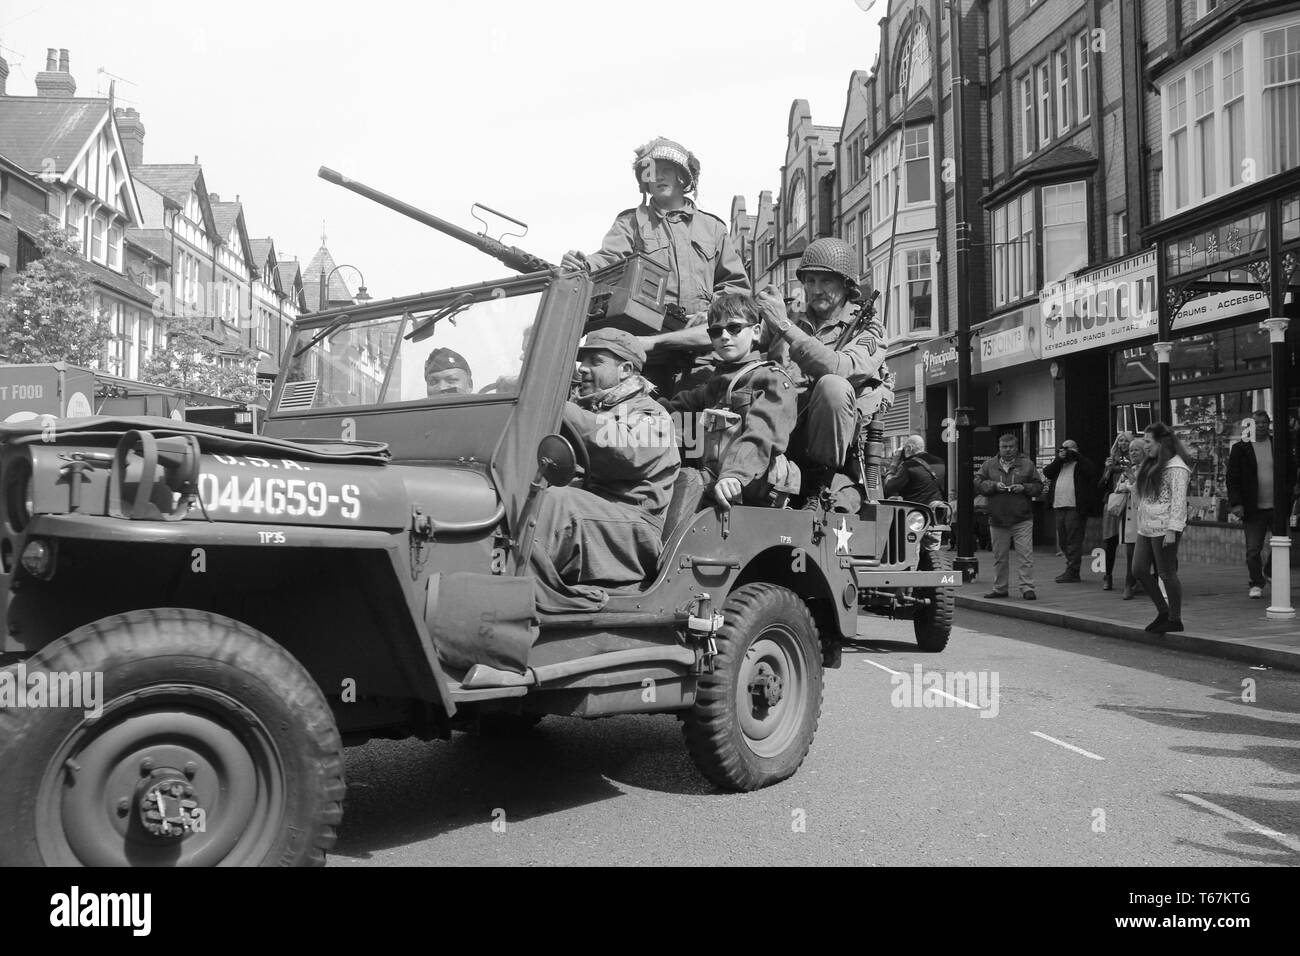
<point x="47" y="315"/>
<point x="192" y="359"/>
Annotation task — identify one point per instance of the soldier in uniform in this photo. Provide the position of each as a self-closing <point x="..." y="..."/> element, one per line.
<point x="607" y="534"/>
<point x="447" y="373"/>
<point x="694" y="246"/>
<point x="840" y="364"/>
<point x="747" y="409"/>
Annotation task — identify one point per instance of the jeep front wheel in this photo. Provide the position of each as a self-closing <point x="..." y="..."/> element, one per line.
<point x="933" y="622"/>
<point x="214" y="746"/>
<point x="755" y="716"/>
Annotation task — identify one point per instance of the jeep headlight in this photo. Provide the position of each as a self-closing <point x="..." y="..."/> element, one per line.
<point x="916" y="522"/>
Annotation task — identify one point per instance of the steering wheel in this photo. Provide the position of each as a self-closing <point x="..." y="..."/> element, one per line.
<point x="580" y="455"/>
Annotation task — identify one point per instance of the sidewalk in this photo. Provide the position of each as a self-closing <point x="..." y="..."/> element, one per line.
<point x="1221" y="620"/>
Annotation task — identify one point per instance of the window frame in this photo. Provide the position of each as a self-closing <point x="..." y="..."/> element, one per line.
<point x="1043" y="91"/>
<point x="1028" y="121"/>
<point x="1083" y="75"/>
<point x="1064" y="89"/>
<point x="907" y="162"/>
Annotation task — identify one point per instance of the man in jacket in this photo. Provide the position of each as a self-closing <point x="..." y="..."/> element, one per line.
<point x="917" y="475"/>
<point x="606" y="535"/>
<point x="1073" y="479"/>
<point x="1251" y="496"/>
<point x="1010" y="482"/>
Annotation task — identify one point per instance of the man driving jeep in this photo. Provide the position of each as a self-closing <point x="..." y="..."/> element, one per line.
<point x="447" y="373"/>
<point x="606" y="534"/>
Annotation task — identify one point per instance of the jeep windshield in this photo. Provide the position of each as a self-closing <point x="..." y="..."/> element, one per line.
<point x="460" y="345"/>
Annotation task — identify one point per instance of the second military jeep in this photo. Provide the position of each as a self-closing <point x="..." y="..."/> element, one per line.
<point x="249" y="605"/>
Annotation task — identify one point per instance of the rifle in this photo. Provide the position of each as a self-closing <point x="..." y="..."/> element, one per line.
<point x="869" y="447"/>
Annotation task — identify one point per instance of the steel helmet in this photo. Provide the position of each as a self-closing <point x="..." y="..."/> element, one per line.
<point x="667" y="150"/>
<point x="831" y="255"/>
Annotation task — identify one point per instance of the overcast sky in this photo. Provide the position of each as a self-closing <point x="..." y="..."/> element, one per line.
<point x="531" y="108"/>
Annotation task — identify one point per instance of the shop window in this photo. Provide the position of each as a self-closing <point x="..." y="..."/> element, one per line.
<point x="1134" y="419"/>
<point x="1044" y="443"/>
<point x="1209" y="425"/>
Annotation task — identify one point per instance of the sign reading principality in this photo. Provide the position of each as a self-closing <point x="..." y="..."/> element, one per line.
<point x="1108" y="305"/>
<point x="938" y="361"/>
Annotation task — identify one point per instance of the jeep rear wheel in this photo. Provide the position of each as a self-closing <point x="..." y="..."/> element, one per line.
<point x="933" y="622"/>
<point x="755" y="716"/>
<point x="214" y="746"/>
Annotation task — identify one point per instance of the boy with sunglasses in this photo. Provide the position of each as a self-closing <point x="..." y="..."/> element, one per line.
<point x="746" y="410"/>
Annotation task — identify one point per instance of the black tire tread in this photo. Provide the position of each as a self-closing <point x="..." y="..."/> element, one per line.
<point x="142" y="634"/>
<point x="933" y="626"/>
<point x="709" y="727"/>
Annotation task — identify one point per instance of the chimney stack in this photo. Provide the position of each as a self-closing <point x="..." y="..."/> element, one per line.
<point x="55" y="80"/>
<point x="213" y="198"/>
<point x="131" y="130"/>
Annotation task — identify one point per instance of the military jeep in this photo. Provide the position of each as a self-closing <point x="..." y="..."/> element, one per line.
<point x="252" y="604"/>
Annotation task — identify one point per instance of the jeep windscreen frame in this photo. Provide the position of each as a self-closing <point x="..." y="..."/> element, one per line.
<point x="368" y="358"/>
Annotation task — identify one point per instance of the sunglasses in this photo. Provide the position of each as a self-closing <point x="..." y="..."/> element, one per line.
<point x="732" y="328"/>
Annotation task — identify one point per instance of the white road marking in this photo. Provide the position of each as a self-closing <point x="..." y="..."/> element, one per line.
<point x="1062" y="743"/>
<point x="1289" y="842"/>
<point x="928" y="690"/>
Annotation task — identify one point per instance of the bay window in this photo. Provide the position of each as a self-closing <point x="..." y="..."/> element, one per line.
<point x="919" y="294"/>
<point x="1282" y="99"/>
<point x="1065" y="229"/>
<point x="1203" y="105"/>
<point x="1234" y="113"/>
<point x="1176" y="165"/>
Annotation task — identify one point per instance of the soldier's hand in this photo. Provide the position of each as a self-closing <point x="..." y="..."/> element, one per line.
<point x="771" y="307"/>
<point x="1238" y="511"/>
<point x="574" y="261"/>
<point x="726" y="491"/>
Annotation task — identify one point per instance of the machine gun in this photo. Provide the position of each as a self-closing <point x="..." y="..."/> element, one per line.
<point x="629" y="295"/>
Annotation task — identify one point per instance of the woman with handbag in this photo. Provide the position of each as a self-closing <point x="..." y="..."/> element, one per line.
<point x="1116" y="501"/>
<point x="1137" y="453"/>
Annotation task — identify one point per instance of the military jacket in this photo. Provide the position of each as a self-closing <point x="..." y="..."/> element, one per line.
<point x="694" y="246"/>
<point x="632" y="449"/>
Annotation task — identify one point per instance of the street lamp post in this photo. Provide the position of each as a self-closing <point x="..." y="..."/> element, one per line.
<point x="323" y="303"/>
<point x="966" y="562"/>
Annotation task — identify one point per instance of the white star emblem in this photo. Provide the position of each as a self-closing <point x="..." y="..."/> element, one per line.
<point x="842" y="535"/>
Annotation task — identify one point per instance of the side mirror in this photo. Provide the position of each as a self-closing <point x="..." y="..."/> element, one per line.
<point x="556" y="461"/>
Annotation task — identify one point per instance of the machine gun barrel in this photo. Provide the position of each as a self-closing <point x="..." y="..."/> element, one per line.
<point x="512" y="256"/>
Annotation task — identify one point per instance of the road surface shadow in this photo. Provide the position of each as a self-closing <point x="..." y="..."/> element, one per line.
<point x="1282" y="816"/>
<point x="1208" y="721"/>
<point x="400" y="792"/>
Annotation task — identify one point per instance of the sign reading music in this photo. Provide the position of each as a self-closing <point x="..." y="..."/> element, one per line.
<point x="1110" y="304"/>
<point x="1120" y="301"/>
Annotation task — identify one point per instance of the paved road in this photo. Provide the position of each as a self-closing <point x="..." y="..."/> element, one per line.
<point x="1169" y="766"/>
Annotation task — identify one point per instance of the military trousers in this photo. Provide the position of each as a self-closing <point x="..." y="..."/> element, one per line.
<point x="582" y="538"/>
<point x="828" y="420"/>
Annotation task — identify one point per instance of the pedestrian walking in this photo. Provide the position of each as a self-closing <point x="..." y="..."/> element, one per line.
<point x="1114" y="503"/>
<point x="1161" y="489"/>
<point x="1250" y="496"/>
<point x="1010" y="482"/>
<point x="1074" y="480"/>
